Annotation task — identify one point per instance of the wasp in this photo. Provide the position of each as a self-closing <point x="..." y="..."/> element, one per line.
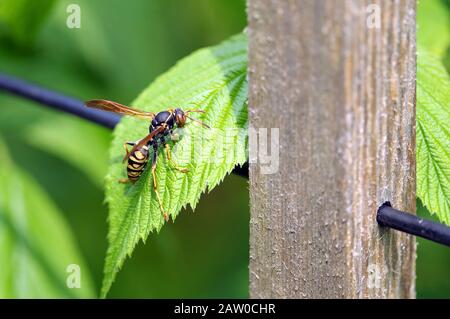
<point x="161" y="127"/>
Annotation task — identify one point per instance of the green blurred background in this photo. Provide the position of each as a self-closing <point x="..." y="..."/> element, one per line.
<point x="119" y="49"/>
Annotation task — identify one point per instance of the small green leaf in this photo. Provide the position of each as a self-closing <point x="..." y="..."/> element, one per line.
<point x="212" y="79"/>
<point x="433" y="135"/>
<point x="36" y="244"/>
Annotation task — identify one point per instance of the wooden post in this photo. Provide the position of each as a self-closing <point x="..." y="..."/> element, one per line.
<point x="337" y="77"/>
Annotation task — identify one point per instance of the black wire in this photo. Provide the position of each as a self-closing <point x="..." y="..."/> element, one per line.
<point x="411" y="224"/>
<point x="70" y="105"/>
<point x="241" y="170"/>
<point x="56" y="101"/>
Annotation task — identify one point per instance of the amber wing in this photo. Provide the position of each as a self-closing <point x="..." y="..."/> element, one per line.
<point x="115" y="107"/>
<point x="144" y="141"/>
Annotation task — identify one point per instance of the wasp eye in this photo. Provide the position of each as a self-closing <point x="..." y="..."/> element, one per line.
<point x="180" y="118"/>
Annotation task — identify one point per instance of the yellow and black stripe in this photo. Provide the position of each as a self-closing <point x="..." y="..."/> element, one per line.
<point x="136" y="163"/>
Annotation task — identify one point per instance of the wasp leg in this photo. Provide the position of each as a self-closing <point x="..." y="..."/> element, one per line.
<point x="155" y="185"/>
<point x="126" y="149"/>
<point x="174" y="165"/>
<point x="126" y="180"/>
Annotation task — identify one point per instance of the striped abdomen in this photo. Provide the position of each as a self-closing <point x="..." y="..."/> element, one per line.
<point x="136" y="163"/>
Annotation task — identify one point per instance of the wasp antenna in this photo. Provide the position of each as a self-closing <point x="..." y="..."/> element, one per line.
<point x="199" y="122"/>
<point x="195" y="111"/>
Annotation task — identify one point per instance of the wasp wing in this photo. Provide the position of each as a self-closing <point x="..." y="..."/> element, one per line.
<point x="144" y="141"/>
<point x="115" y="107"/>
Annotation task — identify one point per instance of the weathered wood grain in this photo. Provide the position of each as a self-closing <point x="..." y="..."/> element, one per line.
<point x="343" y="95"/>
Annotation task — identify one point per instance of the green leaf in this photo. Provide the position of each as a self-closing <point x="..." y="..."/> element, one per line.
<point x="433" y="26"/>
<point x="433" y="135"/>
<point x="21" y="19"/>
<point x="36" y="244"/>
<point x="212" y="79"/>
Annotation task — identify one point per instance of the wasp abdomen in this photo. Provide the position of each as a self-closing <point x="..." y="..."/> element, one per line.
<point x="136" y="163"/>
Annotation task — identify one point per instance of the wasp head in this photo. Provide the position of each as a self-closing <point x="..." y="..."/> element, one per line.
<point x="180" y="117"/>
